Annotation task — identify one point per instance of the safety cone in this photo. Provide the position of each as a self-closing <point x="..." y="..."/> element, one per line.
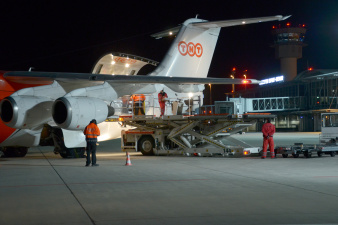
<point x="128" y="162"/>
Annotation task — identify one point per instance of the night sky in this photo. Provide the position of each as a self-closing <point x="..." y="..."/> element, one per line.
<point x="71" y="36"/>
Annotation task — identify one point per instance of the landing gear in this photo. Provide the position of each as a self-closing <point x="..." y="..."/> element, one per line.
<point x="14" y="151"/>
<point x="72" y="152"/>
<point x="146" y="145"/>
<point x="61" y="149"/>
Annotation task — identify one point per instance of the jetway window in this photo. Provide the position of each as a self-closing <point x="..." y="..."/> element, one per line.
<point x="330" y="120"/>
<point x="267" y="104"/>
<point x="228" y="110"/>
<point x="280" y="103"/>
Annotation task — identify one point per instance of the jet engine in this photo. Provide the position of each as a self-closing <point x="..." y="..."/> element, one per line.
<point x="74" y="113"/>
<point x="25" y="112"/>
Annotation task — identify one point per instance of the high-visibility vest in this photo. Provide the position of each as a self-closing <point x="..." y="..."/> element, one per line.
<point x="91" y="131"/>
<point x="139" y="97"/>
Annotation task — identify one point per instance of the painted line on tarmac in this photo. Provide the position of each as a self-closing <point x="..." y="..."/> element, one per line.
<point x="326" y="177"/>
<point x="112" y="182"/>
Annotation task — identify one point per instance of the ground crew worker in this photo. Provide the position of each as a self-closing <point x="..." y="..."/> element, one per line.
<point x="162" y="97"/>
<point x="91" y="131"/>
<point x="268" y="131"/>
<point x="138" y="100"/>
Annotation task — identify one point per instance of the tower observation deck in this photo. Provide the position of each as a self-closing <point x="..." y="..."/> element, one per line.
<point x="288" y="45"/>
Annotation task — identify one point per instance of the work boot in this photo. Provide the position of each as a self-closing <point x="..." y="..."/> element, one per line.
<point x="262" y="157"/>
<point x="87" y="164"/>
<point x="95" y="165"/>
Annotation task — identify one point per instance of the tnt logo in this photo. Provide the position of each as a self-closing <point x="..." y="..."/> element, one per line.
<point x="125" y="60"/>
<point x="190" y="49"/>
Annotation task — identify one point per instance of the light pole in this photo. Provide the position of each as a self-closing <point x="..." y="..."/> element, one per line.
<point x="210" y="95"/>
<point x="233" y="85"/>
<point x="233" y="72"/>
<point x="245" y="81"/>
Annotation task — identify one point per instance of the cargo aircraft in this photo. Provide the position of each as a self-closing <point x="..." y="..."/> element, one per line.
<point x="52" y="108"/>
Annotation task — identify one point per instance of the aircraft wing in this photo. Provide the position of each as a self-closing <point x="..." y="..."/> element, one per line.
<point x="32" y="77"/>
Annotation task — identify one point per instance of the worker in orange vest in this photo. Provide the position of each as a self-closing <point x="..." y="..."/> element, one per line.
<point x="92" y="132"/>
<point x="162" y="97"/>
<point x="268" y="131"/>
<point x="138" y="100"/>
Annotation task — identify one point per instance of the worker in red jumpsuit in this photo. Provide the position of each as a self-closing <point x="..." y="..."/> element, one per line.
<point x="162" y="96"/>
<point x="268" y="131"/>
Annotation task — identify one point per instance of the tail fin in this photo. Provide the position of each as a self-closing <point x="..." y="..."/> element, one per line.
<point x="191" y="53"/>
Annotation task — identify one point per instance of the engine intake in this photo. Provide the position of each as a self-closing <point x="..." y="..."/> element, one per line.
<point x="24" y="112"/>
<point x="74" y="113"/>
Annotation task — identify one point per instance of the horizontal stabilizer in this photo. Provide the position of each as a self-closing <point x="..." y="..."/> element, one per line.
<point x="236" y="22"/>
<point x="166" y="33"/>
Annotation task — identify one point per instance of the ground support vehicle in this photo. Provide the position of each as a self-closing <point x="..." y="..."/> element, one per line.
<point x="198" y="135"/>
<point x="307" y="150"/>
<point x="328" y="140"/>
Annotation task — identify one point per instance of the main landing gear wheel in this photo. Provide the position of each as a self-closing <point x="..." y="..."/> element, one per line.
<point x="15" y="151"/>
<point x="285" y="155"/>
<point x="73" y="153"/>
<point x="61" y="148"/>
<point x="332" y="154"/>
<point x="146" y="145"/>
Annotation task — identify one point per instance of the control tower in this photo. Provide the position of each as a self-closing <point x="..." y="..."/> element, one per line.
<point x="288" y="48"/>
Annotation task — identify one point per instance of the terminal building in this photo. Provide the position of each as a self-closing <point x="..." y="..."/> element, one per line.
<point x="297" y="99"/>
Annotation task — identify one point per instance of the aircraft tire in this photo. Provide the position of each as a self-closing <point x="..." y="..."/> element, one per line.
<point x="73" y="153"/>
<point x="146" y="145"/>
<point x="15" y="151"/>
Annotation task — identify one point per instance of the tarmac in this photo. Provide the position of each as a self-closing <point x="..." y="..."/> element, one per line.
<point x="43" y="188"/>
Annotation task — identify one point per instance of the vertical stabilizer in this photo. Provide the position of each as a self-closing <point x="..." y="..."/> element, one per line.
<point x="191" y="52"/>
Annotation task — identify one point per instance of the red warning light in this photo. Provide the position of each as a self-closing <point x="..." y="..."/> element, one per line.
<point x="303" y="25"/>
<point x="234" y="69"/>
<point x="310" y="68"/>
<point x="245" y="81"/>
<point x="288" y="24"/>
<point x="273" y="27"/>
